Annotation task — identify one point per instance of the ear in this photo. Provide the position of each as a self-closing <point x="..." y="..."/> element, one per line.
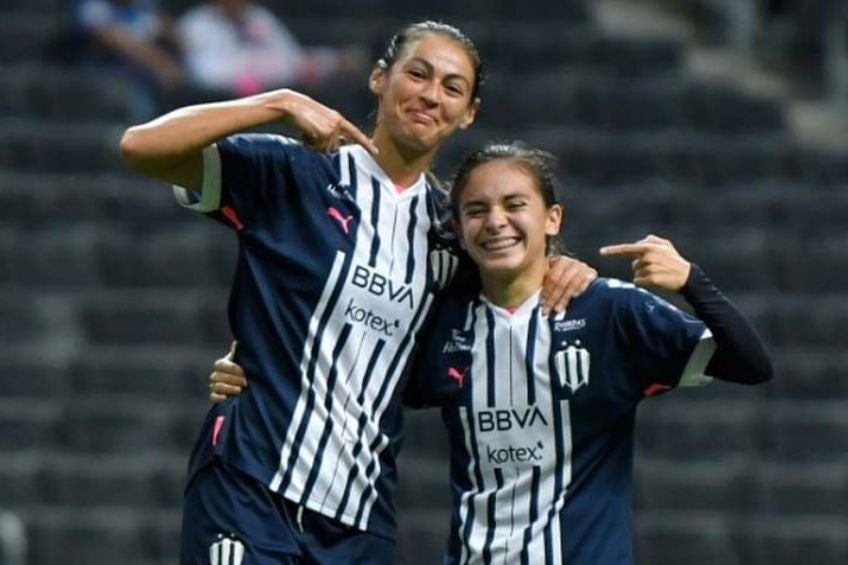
<point x="457" y="229"/>
<point x="377" y="80"/>
<point x="470" y="114"/>
<point x="553" y="220"/>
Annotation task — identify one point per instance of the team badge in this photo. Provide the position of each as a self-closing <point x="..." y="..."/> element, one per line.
<point x="572" y="365"/>
<point x="226" y="551"/>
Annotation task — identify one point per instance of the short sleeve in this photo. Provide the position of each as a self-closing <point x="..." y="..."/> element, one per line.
<point x="665" y="347"/>
<point x="245" y="179"/>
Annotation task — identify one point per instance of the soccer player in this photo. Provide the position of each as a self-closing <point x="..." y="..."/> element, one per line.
<point x="342" y="253"/>
<point x="540" y="410"/>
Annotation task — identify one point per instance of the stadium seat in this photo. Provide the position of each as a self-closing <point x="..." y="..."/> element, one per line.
<point x="114" y="299"/>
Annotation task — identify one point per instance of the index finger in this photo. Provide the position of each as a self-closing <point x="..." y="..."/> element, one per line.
<point x="357" y="136"/>
<point x="625" y="249"/>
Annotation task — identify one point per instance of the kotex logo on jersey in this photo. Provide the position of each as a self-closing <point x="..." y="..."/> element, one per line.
<point x="378" y="303"/>
<point x="514" y="435"/>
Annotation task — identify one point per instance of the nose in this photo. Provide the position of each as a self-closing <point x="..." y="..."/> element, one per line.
<point x="430" y="93"/>
<point x="495" y="219"/>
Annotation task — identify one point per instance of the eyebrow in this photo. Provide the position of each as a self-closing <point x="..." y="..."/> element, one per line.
<point x="430" y="67"/>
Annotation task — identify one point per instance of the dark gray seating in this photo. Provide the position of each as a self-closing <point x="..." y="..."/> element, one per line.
<point x="114" y="299"/>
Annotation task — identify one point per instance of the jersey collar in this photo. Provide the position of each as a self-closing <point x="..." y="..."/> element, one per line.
<point x="366" y="162"/>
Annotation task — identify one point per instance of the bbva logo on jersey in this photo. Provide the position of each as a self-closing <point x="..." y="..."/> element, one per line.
<point x="226" y="551"/>
<point x="572" y="365"/>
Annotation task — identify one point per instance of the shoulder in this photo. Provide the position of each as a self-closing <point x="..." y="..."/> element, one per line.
<point x="621" y="299"/>
<point x="269" y="144"/>
<point x="605" y="290"/>
<point x="617" y="291"/>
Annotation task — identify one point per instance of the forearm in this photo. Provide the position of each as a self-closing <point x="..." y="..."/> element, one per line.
<point x="169" y="146"/>
<point x="740" y="355"/>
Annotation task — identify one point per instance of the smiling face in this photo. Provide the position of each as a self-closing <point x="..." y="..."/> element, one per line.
<point x="426" y="94"/>
<point x="503" y="222"/>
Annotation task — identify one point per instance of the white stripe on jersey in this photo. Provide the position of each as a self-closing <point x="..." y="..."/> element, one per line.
<point x="320" y="309"/>
<point x="496" y="433"/>
<point x="693" y="373"/>
<point x="361" y="333"/>
<point x="210" y="192"/>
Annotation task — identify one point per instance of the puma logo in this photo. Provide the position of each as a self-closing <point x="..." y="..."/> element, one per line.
<point x="342" y="220"/>
<point x="457" y="376"/>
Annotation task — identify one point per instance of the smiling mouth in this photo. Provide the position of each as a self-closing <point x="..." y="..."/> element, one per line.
<point x="421" y="117"/>
<point x="500" y="244"/>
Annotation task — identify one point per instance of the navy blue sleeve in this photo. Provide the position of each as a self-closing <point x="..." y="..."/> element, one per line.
<point x="247" y="179"/>
<point x="255" y="177"/>
<point x="663" y="345"/>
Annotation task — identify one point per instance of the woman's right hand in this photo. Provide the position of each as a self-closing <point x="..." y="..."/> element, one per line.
<point x="227" y="378"/>
<point x="321" y="127"/>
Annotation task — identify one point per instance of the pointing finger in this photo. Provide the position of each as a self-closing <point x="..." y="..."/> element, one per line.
<point x="625" y="249"/>
<point x="354" y="133"/>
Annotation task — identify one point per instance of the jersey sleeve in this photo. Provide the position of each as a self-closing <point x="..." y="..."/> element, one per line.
<point x="664" y="346"/>
<point x="245" y="178"/>
<point x="438" y="370"/>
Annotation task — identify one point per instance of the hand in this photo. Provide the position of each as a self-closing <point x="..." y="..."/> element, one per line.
<point x="656" y="262"/>
<point x="227" y="378"/>
<point x="322" y="128"/>
<point x="566" y="278"/>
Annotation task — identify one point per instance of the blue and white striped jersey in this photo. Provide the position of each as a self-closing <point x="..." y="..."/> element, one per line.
<point x="540" y="414"/>
<point x="336" y="273"/>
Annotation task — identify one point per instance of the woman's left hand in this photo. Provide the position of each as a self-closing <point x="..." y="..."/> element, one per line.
<point x="656" y="262"/>
<point x="565" y="279"/>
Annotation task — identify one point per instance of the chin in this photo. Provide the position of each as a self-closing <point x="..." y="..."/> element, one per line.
<point x="499" y="267"/>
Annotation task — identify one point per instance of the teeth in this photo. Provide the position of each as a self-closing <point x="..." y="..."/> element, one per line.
<point x="499" y="244"/>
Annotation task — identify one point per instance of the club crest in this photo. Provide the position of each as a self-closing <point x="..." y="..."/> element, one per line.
<point x="572" y="366"/>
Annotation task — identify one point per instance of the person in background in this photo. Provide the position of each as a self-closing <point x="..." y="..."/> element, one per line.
<point x="134" y="38"/>
<point x="241" y="48"/>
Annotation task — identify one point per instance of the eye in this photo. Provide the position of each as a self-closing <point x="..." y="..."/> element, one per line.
<point x="455" y="90"/>
<point x="516" y="205"/>
<point x="416" y="72"/>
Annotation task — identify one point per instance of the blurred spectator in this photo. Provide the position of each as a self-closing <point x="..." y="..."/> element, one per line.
<point x="241" y="48"/>
<point x="135" y="38"/>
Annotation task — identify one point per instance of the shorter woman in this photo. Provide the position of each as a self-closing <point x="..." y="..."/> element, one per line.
<point x="540" y="410"/>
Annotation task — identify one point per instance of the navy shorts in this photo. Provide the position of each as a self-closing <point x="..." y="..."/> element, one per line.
<point x="230" y="518"/>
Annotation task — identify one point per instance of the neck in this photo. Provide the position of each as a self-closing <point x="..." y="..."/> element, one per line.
<point x="402" y="166"/>
<point x="511" y="291"/>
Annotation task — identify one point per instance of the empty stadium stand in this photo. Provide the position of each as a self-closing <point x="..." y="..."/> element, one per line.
<point x="113" y="299"/>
